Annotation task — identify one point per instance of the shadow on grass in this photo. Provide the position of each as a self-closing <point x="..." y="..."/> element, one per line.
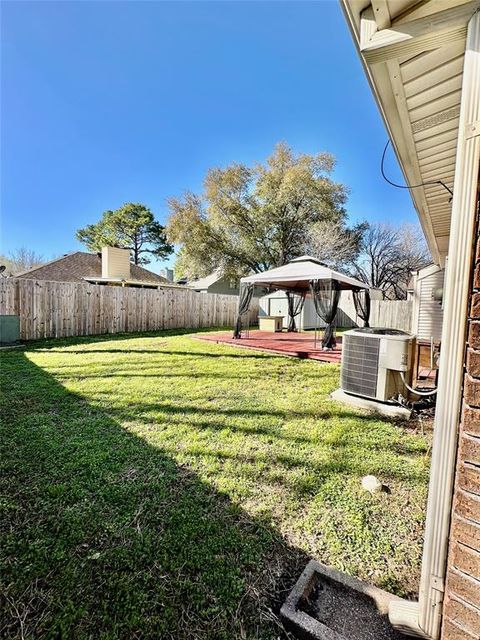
<point x="343" y="453"/>
<point x="191" y="354"/>
<point x="108" y="537"/>
<point x="52" y="343"/>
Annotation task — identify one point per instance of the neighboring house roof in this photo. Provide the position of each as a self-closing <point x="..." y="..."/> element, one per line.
<point x="204" y="283"/>
<point x="80" y="266"/>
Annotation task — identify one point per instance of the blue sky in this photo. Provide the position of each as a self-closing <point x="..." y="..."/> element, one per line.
<point x="110" y="102"/>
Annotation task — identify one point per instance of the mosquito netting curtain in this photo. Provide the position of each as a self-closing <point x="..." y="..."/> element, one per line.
<point x="295" y="305"/>
<point x="361" y="300"/>
<point x="244" y="300"/>
<point x="326" y="294"/>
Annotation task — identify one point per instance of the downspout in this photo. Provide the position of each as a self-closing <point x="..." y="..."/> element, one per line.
<point x="423" y="619"/>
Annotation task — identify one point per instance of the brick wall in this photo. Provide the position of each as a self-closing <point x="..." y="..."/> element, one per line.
<point x="461" y="612"/>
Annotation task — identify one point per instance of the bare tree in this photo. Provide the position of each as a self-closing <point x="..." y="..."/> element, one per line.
<point x="22" y="259"/>
<point x="333" y="244"/>
<point x="388" y="256"/>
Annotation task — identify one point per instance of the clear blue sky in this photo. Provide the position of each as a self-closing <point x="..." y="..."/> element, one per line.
<point x="110" y="102"/>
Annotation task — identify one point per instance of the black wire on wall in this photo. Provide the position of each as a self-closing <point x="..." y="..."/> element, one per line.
<point x="412" y="186"/>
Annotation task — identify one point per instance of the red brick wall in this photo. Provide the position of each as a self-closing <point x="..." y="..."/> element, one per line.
<point x="461" y="611"/>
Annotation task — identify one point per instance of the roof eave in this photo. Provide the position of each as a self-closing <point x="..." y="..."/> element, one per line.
<point x="122" y="281"/>
<point x="393" y="124"/>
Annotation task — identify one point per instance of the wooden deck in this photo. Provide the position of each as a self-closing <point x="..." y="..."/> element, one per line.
<point x="298" y="345"/>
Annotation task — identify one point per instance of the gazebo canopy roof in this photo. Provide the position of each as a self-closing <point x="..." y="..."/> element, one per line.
<point x="296" y="275"/>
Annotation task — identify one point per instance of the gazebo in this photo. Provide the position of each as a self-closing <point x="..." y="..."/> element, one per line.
<point x="306" y="276"/>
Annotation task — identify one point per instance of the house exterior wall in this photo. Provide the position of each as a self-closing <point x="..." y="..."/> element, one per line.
<point x="428" y="312"/>
<point x="461" y="612"/>
<point x="223" y="286"/>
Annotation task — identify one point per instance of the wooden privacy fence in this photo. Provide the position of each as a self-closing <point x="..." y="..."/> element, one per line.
<point x="394" y="314"/>
<point x="60" y="309"/>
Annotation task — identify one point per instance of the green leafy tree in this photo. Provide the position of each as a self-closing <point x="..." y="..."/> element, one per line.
<point x="250" y="219"/>
<point x="133" y="227"/>
<point x="182" y="266"/>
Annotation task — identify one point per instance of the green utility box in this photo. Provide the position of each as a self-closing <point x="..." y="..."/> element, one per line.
<point x="9" y="330"/>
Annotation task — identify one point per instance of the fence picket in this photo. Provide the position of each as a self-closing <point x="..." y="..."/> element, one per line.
<point x="60" y="309"/>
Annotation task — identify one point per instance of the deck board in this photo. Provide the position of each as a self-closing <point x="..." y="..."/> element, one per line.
<point x="298" y="345"/>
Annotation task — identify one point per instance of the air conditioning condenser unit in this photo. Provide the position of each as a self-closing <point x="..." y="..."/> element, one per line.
<point x="372" y="360"/>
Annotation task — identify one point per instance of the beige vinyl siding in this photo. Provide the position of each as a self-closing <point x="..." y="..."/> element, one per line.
<point x="115" y="263"/>
<point x="430" y="311"/>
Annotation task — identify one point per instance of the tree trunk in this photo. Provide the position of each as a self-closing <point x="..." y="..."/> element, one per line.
<point x="136" y="249"/>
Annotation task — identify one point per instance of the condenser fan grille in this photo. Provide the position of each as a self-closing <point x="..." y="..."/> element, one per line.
<point x="360" y="365"/>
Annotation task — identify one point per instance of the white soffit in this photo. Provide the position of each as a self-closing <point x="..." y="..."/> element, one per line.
<point x="413" y="53"/>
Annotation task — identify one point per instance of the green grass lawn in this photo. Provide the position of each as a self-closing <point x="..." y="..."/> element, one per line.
<point x="161" y="486"/>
